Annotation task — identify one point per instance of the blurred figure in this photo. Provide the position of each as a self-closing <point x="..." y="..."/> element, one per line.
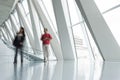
<point x="18" y="43"/>
<point x="46" y="37"/>
<point x="18" y="72"/>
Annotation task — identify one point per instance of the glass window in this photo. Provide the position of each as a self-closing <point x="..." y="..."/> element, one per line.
<point x="47" y="8"/>
<point x="113" y="21"/>
<point x="73" y="12"/>
<point x="12" y="28"/>
<point x="84" y="43"/>
<point x="112" y="17"/>
<point x="16" y="17"/>
<point x="104" y="5"/>
<point x="14" y="20"/>
<point x="25" y="5"/>
<point x="93" y="47"/>
<point x="80" y="43"/>
<point x="9" y="23"/>
<point x="27" y="46"/>
<point x="29" y="19"/>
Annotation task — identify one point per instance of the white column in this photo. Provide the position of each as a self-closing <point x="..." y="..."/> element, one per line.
<point x="35" y="24"/>
<point x="7" y="34"/>
<point x="9" y="30"/>
<point x="13" y="23"/>
<point x="54" y="42"/>
<point x="100" y="31"/>
<point x="67" y="47"/>
<point x="11" y="27"/>
<point x="24" y="20"/>
<point x="4" y="35"/>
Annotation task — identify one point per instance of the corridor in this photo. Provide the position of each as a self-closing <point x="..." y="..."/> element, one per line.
<point x="82" y="69"/>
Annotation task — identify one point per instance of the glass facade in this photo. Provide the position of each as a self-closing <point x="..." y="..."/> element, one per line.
<point x="111" y="15"/>
<point x="84" y="44"/>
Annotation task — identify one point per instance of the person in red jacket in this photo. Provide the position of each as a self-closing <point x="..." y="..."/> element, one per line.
<point x="46" y="37"/>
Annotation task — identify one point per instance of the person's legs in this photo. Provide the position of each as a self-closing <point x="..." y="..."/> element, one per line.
<point x="46" y="52"/>
<point x="15" y="57"/>
<point x="21" y="53"/>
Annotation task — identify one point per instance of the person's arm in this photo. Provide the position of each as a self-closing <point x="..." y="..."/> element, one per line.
<point x="50" y="37"/>
<point x="42" y="38"/>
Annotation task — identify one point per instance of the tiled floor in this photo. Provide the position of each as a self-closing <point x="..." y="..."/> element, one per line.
<point x="82" y="69"/>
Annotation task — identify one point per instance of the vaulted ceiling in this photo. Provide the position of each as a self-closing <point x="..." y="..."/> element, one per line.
<point x="6" y="7"/>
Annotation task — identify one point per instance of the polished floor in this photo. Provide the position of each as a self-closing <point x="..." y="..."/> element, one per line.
<point x="83" y="69"/>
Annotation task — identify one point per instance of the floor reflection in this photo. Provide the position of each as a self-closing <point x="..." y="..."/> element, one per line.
<point x="56" y="70"/>
<point x="83" y="69"/>
<point x="18" y="72"/>
<point x="111" y="71"/>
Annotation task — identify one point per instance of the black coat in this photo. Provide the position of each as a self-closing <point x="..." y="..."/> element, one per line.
<point x="17" y="42"/>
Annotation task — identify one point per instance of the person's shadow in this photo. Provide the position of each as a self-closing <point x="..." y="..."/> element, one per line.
<point x="18" y="72"/>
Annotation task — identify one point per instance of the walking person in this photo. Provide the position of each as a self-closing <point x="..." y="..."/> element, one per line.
<point x="18" y="43"/>
<point x="46" y="37"/>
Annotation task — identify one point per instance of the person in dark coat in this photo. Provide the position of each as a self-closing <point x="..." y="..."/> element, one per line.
<point x="18" y="43"/>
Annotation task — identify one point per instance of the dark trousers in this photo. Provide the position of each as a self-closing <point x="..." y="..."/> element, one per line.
<point x="16" y="54"/>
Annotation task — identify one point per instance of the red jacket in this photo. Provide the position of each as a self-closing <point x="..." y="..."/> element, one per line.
<point x="46" y="38"/>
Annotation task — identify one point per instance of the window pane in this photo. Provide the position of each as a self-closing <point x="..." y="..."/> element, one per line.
<point x="47" y="8"/>
<point x="16" y="17"/>
<point x="80" y="43"/>
<point x="113" y="20"/>
<point x="28" y="18"/>
<point x="93" y="46"/>
<point x="73" y="12"/>
<point x="104" y="5"/>
<point x="84" y="42"/>
<point x="25" y="5"/>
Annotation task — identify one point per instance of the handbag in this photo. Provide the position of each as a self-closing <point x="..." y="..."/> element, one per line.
<point x="15" y="41"/>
